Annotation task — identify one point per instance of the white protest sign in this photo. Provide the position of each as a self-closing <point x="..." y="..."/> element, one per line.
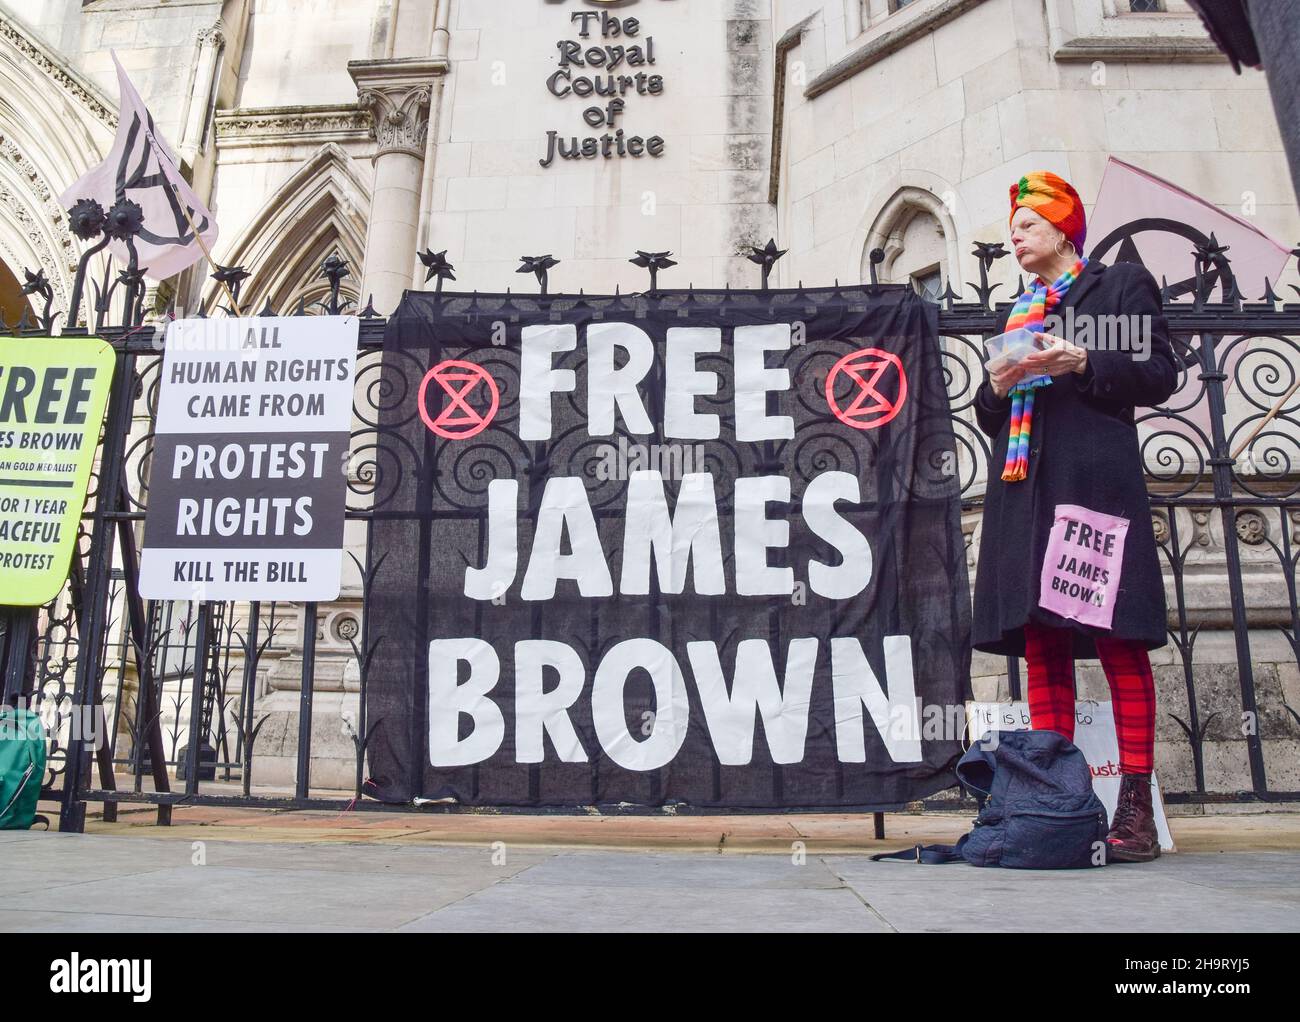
<point x="1094" y="734"/>
<point x="247" y="483"/>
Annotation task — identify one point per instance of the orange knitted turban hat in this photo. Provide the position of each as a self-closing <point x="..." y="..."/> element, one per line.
<point x="1052" y="198"/>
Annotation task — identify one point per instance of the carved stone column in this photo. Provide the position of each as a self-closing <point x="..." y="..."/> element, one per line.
<point x="396" y="92"/>
<point x="202" y="98"/>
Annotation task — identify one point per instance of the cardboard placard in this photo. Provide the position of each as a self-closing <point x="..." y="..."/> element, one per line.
<point x="53" y="392"/>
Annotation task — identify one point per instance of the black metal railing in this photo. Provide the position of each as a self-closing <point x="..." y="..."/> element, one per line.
<point x="101" y="659"/>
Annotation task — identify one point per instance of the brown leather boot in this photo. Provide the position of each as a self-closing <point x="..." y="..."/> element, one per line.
<point x="1132" y="836"/>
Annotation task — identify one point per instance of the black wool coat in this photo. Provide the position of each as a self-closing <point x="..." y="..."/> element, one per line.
<point x="1083" y="449"/>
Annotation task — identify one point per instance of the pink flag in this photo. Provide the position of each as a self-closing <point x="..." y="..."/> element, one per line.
<point x="1141" y="218"/>
<point x="141" y="167"/>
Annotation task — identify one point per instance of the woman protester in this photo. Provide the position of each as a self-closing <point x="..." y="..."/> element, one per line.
<point x="1065" y="457"/>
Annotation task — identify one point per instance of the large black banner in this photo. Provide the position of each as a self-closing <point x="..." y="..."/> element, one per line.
<point x="697" y="548"/>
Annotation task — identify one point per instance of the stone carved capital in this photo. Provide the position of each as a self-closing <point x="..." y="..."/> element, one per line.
<point x="397" y="94"/>
<point x="400" y="116"/>
<point x="214" y="35"/>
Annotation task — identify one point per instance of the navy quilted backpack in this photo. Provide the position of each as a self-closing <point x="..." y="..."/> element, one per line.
<point x="1037" y="806"/>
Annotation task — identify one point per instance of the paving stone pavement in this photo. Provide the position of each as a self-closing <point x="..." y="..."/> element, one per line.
<point x="99" y="883"/>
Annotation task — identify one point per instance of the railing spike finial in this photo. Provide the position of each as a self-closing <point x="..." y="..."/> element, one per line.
<point x="38" y="284"/>
<point x="1234" y="296"/>
<point x="231" y="278"/>
<point x="267" y="310"/>
<point x="766" y="257"/>
<point x="1210" y="253"/>
<point x="369" y="311"/>
<point x="436" y="265"/>
<point x="104" y="296"/>
<point x="132" y="278"/>
<point x="122" y="223"/>
<point x="1269" y="294"/>
<point x="987" y="252"/>
<point x="949" y="295"/>
<point x="86" y="220"/>
<point x="654" y="262"/>
<point x="540" y="266"/>
<point x="334" y="269"/>
<point x="875" y="257"/>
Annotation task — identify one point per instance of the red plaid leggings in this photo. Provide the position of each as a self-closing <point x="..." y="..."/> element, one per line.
<point x="1132" y="690"/>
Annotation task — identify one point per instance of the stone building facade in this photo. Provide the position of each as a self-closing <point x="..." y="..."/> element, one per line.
<point x="493" y="129"/>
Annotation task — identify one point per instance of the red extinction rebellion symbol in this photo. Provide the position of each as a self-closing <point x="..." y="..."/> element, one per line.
<point x="867" y="370"/>
<point x="460" y="381"/>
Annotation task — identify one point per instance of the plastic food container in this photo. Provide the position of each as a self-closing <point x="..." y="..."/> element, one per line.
<point x="1010" y="348"/>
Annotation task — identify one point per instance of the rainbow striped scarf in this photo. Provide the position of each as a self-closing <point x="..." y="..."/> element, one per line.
<point x="1030" y="310"/>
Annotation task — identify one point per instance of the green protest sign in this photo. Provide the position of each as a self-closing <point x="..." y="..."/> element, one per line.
<point x="53" y="392"/>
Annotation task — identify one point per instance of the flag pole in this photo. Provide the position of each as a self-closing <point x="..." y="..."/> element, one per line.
<point x="204" y="248"/>
<point x="1272" y="414"/>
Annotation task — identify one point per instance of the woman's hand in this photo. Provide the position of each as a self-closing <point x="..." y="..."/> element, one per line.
<point x="1059" y="358"/>
<point x="1004" y="379"/>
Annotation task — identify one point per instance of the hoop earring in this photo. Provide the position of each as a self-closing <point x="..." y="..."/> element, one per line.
<point x="1057" y="247"/>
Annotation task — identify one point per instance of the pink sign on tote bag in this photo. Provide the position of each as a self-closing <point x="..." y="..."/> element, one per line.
<point x="1081" y="571"/>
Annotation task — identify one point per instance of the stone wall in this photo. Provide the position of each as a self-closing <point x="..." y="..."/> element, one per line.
<point x="960" y="98"/>
<point x="703" y="199"/>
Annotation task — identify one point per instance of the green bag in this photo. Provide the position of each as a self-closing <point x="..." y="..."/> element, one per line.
<point x="22" y="767"/>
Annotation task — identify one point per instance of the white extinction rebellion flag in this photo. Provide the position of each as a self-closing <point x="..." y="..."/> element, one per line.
<point x="141" y="167"/>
